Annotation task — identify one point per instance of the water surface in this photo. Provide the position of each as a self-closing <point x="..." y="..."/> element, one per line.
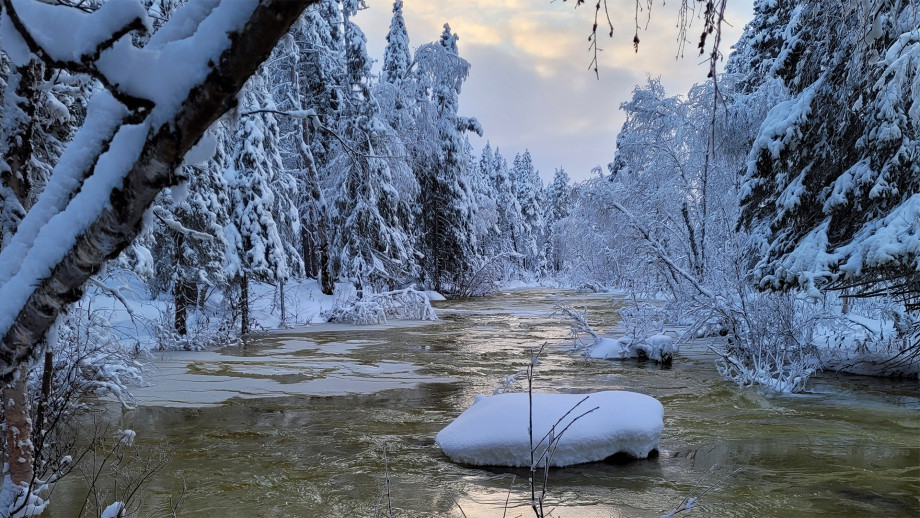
<point x="297" y="423"/>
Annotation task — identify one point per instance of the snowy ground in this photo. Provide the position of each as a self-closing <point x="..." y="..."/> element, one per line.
<point x="143" y="322"/>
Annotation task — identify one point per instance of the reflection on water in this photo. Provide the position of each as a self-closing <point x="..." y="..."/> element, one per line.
<point x="296" y="426"/>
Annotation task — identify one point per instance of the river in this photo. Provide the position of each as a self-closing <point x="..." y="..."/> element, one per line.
<point x="295" y="424"/>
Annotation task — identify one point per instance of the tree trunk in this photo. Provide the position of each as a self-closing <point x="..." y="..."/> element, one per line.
<point x="325" y="266"/>
<point x="244" y="305"/>
<point x="308" y="248"/>
<point x="18" y="427"/>
<point x="283" y="322"/>
<point x="39" y="431"/>
<point x="23" y="83"/>
<point x="184" y="294"/>
<point x="162" y="153"/>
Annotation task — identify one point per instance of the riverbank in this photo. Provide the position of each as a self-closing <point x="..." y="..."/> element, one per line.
<point x="862" y="341"/>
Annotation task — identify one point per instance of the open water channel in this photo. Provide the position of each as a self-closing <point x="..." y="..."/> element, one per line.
<point x="295" y="425"/>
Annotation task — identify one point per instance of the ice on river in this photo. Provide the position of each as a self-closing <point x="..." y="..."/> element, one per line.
<point x="295" y="367"/>
<point x="493" y="432"/>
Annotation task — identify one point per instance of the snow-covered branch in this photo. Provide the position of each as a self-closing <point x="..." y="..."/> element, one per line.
<point x="171" y="222"/>
<point x="123" y="179"/>
<point x="660" y="252"/>
<point x="73" y="40"/>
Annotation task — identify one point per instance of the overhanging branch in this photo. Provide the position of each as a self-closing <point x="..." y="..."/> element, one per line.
<point x="162" y="152"/>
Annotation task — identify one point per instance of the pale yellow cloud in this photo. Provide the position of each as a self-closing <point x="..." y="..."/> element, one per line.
<point x="534" y="36"/>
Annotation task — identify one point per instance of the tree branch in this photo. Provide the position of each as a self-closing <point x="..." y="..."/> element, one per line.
<point x="86" y="63"/>
<point x="162" y="152"/>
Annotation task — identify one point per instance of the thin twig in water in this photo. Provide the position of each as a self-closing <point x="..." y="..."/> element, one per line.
<point x="508" y="497"/>
<point x="457" y="502"/>
<point x="386" y="474"/>
<point x="689" y="501"/>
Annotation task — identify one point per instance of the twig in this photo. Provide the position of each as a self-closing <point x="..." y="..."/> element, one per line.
<point x="508" y="497"/>
<point x="452" y="497"/>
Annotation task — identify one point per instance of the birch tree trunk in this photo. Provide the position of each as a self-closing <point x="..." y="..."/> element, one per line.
<point x="18" y="427"/>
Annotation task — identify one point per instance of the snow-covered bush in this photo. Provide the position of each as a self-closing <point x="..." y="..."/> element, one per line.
<point x="767" y="341"/>
<point x="873" y="336"/>
<point x="84" y="360"/>
<point x="640" y="341"/>
<point x="378" y="308"/>
<point x="487" y="274"/>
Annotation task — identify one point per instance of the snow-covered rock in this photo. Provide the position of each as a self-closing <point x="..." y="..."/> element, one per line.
<point x="658" y="348"/>
<point x="434" y="296"/>
<point x="493" y="432"/>
<point x="611" y="349"/>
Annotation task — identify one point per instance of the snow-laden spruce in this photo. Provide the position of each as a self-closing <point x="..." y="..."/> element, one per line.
<point x="567" y="429"/>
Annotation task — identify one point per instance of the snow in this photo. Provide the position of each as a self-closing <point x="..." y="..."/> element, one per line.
<point x="114" y="510"/>
<point x="126" y="437"/>
<point x="68" y="34"/>
<point x="13" y="44"/>
<point x="658" y="347"/>
<point x="493" y="432"/>
<point x="165" y="72"/>
<point x="434" y="296"/>
<point x="13" y="497"/>
<point x="203" y="151"/>
<point x="610" y="349"/>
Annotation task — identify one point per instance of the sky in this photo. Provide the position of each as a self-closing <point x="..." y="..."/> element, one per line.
<point x="530" y="85"/>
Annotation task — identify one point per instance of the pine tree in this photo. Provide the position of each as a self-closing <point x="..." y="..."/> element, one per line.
<point x="396" y="56"/>
<point x="510" y="222"/>
<point x="755" y="54"/>
<point x="528" y="189"/>
<point x="559" y="200"/>
<point x="371" y="243"/>
<point x="558" y="195"/>
<point x="485" y="217"/>
<point x="313" y="78"/>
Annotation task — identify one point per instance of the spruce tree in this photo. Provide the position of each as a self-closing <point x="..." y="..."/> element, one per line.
<point x="370" y="241"/>
<point x="831" y="186"/>
<point x="446" y="205"/>
<point x="255" y="247"/>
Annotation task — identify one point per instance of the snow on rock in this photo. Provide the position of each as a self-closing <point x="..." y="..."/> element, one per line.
<point x="611" y="349"/>
<point x="434" y="296"/>
<point x="659" y="347"/>
<point x="493" y="432"/>
<point x="114" y="510"/>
